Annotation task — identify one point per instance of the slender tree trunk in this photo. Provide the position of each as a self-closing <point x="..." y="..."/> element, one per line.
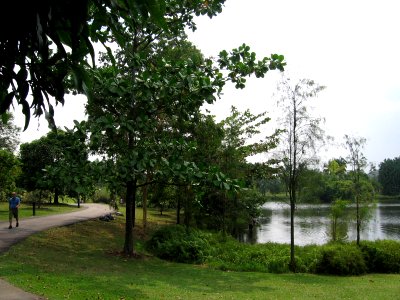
<point x="56" y="194"/>
<point x="235" y="214"/>
<point x="149" y="177"/>
<point x="292" y="193"/>
<point x="144" y="203"/>
<point x="130" y="217"/>
<point x="178" y="206"/>
<point x="40" y="199"/>
<point x="134" y="205"/>
<point x="358" y="204"/>
<point x="188" y="206"/>
<point x="334" y="229"/>
<point x="358" y="220"/>
<point x="293" y="185"/>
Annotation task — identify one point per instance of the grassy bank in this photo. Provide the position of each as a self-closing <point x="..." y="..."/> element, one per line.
<point x="82" y="261"/>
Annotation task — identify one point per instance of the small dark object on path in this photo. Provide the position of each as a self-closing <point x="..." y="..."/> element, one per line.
<point x="107" y="218"/>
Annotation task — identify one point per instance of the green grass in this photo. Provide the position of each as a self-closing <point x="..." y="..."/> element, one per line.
<point x="25" y="210"/>
<point x="82" y="261"/>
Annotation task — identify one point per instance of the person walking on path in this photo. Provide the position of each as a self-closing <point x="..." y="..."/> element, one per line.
<point x="13" y="205"/>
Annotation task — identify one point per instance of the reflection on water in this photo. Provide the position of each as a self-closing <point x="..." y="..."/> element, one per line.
<point x="313" y="224"/>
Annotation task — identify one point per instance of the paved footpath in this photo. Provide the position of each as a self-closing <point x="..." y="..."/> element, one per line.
<point x="29" y="226"/>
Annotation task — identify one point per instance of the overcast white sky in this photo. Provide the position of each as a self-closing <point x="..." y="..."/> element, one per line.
<point x="349" y="46"/>
<point x="352" y="47"/>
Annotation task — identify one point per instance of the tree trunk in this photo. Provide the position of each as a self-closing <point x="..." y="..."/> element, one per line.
<point x="292" y="265"/>
<point x="144" y="203"/>
<point x="358" y="192"/>
<point x="56" y="194"/>
<point x="334" y="229"/>
<point x="178" y="206"/>
<point x="235" y="216"/>
<point x="149" y="177"/>
<point x="358" y="220"/>
<point x="188" y="207"/>
<point x="130" y="216"/>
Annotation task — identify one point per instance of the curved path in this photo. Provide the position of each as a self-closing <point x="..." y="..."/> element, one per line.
<point x="29" y="226"/>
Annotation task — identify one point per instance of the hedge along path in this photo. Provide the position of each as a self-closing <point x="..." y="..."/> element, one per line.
<point x="32" y="225"/>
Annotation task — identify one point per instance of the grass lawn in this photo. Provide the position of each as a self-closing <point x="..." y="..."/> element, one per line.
<point x="82" y="261"/>
<point x="25" y="210"/>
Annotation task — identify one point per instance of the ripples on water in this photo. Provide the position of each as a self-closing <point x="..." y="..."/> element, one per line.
<point x="313" y="224"/>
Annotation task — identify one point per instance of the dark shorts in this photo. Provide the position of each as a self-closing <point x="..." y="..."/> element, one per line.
<point x="13" y="212"/>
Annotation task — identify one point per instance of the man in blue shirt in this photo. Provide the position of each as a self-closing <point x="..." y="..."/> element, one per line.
<point x="13" y="205"/>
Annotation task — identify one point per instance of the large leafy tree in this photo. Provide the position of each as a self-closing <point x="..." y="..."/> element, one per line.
<point x="9" y="133"/>
<point x="71" y="171"/>
<point x="302" y="134"/>
<point x="10" y="170"/>
<point x="35" y="156"/>
<point x="9" y="164"/>
<point x="56" y="162"/>
<point x="337" y="182"/>
<point x="389" y="176"/>
<point x="140" y="98"/>
<point x="222" y="149"/>
<point x="240" y="131"/>
<point x="47" y="41"/>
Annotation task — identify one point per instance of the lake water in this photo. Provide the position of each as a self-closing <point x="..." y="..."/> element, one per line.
<point x="313" y="224"/>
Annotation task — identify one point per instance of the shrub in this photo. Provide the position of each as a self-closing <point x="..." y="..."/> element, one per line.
<point x="229" y="254"/>
<point x="101" y="196"/>
<point x="341" y="259"/>
<point x="381" y="256"/>
<point x="176" y="243"/>
<point x="180" y="244"/>
<point x="279" y="264"/>
<point x="307" y="258"/>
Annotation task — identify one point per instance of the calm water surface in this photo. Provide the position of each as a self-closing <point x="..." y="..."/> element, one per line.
<point x="313" y="224"/>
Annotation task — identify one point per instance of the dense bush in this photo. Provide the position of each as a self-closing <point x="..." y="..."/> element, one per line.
<point x="180" y="244"/>
<point x="101" y="196"/>
<point x="223" y="252"/>
<point x="382" y="256"/>
<point x="235" y="256"/>
<point x="341" y="259"/>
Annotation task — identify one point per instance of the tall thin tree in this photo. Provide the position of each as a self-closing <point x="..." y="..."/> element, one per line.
<point x="362" y="188"/>
<point x="300" y="139"/>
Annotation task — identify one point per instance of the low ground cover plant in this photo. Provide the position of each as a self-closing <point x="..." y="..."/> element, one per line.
<point x="176" y="243"/>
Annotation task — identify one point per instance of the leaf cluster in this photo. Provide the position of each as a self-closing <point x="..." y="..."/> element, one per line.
<point x="240" y="63"/>
<point x="46" y="42"/>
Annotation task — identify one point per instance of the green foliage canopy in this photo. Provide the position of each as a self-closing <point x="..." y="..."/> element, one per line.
<point x="389" y="176"/>
<point x="47" y="41"/>
<point x="9" y="133"/>
<point x="10" y="171"/>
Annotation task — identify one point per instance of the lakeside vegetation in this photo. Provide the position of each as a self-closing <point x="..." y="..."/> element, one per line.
<point x="158" y="148"/>
<point x="83" y="261"/>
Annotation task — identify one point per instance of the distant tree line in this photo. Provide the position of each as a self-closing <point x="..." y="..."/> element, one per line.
<point x="389" y="176"/>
